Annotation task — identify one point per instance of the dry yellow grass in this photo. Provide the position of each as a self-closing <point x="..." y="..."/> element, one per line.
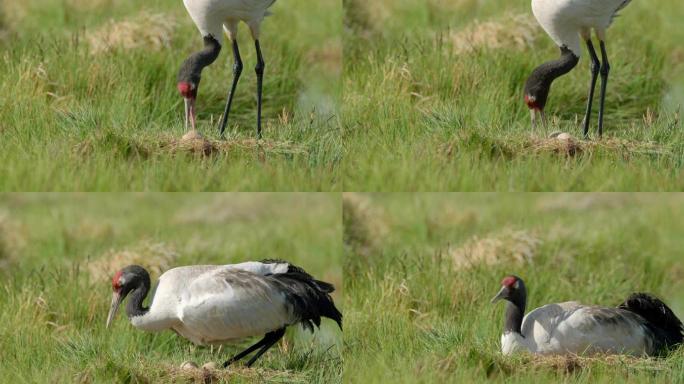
<point x="164" y="145"/>
<point x="148" y="31"/>
<point x="509" y="31"/>
<point x="155" y="257"/>
<point x="12" y="240"/>
<point x="573" y="146"/>
<point x="225" y="209"/>
<point x="364" y="224"/>
<point x="582" y="202"/>
<point x="507" y="246"/>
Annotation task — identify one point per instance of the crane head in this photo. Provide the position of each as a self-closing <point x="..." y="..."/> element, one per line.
<point x="512" y="288"/>
<point x="124" y="282"/>
<point x="187" y="89"/>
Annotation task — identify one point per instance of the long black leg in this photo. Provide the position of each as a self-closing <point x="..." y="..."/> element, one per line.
<point x="595" y="67"/>
<point x="259" y="69"/>
<point x="605" y="70"/>
<point x="266" y="342"/>
<point x="277" y="335"/>
<point x="237" y="70"/>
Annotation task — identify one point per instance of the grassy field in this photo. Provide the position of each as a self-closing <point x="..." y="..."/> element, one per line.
<point x="420" y="270"/>
<point x="90" y="101"/>
<point x="58" y="252"/>
<point x="433" y="101"/>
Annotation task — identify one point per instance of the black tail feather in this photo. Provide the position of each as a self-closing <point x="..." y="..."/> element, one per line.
<point x="660" y="320"/>
<point x="310" y="298"/>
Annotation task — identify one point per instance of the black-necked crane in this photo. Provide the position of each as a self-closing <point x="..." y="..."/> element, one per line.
<point x="566" y="21"/>
<point x="212" y="17"/>
<point x="642" y="325"/>
<point x="216" y="304"/>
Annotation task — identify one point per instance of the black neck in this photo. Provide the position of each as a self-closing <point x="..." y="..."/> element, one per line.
<point x="551" y="70"/>
<point x="515" y="309"/>
<point x="514" y="317"/>
<point x="136" y="298"/>
<point x="192" y="67"/>
<point x="539" y="82"/>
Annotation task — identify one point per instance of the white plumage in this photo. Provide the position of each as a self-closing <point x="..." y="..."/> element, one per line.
<point x="565" y="20"/>
<point x="213" y="16"/>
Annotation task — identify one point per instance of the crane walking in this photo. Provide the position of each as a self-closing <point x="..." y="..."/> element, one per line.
<point x="216" y="304"/>
<point x="641" y="325"/>
<point x="566" y="21"/>
<point x="212" y="17"/>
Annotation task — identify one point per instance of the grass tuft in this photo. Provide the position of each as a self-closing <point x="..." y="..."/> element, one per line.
<point x="145" y="31"/>
<point x="155" y="257"/>
<point x="505" y="247"/>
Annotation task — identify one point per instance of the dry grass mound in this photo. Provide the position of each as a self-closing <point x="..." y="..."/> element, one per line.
<point x="146" y="30"/>
<point x="364" y="225"/>
<point x="507" y="32"/>
<point x="507" y="246"/>
<point x="155" y="257"/>
<point x="234" y="373"/>
<point x="567" y="145"/>
<point x="223" y="209"/>
<point x="12" y="240"/>
<point x="581" y="202"/>
<point x="574" y="363"/>
<point x="163" y="145"/>
<point x="559" y="144"/>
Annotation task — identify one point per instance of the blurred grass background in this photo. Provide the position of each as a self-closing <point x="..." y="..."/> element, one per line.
<point x="59" y="251"/>
<point x="433" y="100"/>
<point x="90" y="99"/>
<point x="420" y="270"/>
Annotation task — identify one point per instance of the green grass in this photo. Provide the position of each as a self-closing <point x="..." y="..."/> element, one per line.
<point x="57" y="253"/>
<point x="61" y="96"/>
<point x="413" y="316"/>
<point x="420" y="115"/>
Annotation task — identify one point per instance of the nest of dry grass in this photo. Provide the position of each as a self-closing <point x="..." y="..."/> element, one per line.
<point x="505" y="247"/>
<point x="517" y="32"/>
<point x="160" y="145"/>
<point x="233" y="373"/>
<point x="155" y="257"/>
<point x="570" y="146"/>
<point x="151" y="31"/>
<point x="575" y="363"/>
<point x="364" y="226"/>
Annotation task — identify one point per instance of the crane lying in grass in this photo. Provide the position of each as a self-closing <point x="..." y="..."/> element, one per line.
<point x="211" y="17"/>
<point x="215" y="304"/>
<point x="642" y="325"/>
<point x="565" y="21"/>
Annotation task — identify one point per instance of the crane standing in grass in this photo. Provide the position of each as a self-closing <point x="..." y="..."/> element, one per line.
<point x="212" y="17"/>
<point x="565" y="21"/>
<point x="216" y="304"/>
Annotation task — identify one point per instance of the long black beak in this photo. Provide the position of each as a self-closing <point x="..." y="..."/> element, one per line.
<point x="499" y="295"/>
<point x="117" y="298"/>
